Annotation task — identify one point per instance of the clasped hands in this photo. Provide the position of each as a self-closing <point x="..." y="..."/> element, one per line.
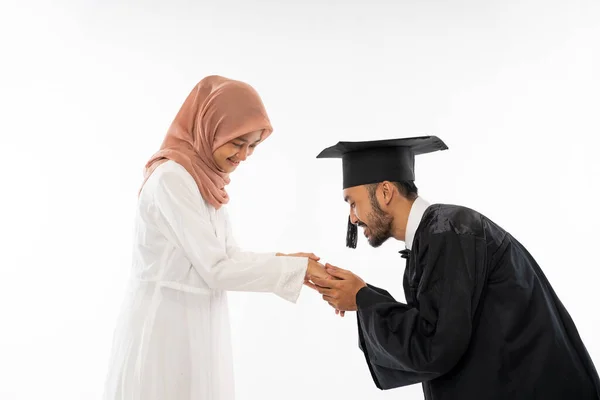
<point x="337" y="286"/>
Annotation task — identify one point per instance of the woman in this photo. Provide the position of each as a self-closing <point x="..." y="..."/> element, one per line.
<point x="172" y="340"/>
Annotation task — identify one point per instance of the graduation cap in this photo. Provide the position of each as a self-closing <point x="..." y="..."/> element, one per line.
<point x="376" y="161"/>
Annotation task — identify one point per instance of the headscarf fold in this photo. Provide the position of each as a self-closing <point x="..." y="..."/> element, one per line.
<point x="215" y="112"/>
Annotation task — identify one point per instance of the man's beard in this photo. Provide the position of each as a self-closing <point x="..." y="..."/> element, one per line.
<point x="380" y="225"/>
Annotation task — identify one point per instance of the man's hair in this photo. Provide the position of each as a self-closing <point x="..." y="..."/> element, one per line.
<point x="407" y="189"/>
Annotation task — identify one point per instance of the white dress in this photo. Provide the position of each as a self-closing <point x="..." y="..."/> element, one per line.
<point x="172" y="340"/>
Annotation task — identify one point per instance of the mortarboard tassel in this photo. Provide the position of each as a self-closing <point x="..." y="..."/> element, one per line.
<point x="351" y="235"/>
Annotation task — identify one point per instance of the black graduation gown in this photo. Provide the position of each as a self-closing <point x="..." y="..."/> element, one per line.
<point x="482" y="321"/>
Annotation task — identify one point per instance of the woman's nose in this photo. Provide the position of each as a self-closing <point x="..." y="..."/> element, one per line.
<point x="243" y="154"/>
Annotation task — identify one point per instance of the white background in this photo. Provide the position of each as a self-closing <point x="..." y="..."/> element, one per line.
<point x="88" y="91"/>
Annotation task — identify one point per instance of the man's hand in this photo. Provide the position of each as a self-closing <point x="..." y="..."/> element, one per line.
<point x="340" y="293"/>
<point x="314" y="269"/>
<point x="317" y="270"/>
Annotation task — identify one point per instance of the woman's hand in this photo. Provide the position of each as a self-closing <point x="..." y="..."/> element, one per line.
<point x="315" y="269"/>
<point x="312" y="256"/>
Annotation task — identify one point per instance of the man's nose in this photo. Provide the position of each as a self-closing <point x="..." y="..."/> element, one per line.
<point x="353" y="218"/>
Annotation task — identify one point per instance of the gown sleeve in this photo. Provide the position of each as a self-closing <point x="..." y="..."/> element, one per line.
<point x="383" y="292"/>
<point x="187" y="223"/>
<point x="406" y="344"/>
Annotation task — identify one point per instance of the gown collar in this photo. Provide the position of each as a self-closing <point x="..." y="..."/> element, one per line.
<point x="414" y="219"/>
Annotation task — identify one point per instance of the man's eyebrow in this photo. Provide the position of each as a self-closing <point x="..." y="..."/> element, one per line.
<point x="346" y="198"/>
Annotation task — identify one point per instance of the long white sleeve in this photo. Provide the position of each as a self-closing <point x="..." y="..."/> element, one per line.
<point x="187" y="222"/>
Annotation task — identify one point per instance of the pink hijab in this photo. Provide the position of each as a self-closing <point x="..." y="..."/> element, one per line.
<point x="217" y="111"/>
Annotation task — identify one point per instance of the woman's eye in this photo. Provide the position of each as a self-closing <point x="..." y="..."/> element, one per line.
<point x="238" y="145"/>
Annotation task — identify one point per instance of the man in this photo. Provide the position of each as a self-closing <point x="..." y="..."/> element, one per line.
<point x="481" y="320"/>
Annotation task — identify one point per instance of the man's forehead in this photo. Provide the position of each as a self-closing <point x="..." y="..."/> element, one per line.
<point x="353" y="192"/>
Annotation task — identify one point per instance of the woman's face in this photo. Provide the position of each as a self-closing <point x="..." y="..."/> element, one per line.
<point x="232" y="153"/>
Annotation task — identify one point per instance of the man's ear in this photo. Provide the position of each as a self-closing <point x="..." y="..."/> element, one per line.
<point x="387" y="192"/>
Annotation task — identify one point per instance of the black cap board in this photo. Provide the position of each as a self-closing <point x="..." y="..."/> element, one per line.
<point x="379" y="160"/>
